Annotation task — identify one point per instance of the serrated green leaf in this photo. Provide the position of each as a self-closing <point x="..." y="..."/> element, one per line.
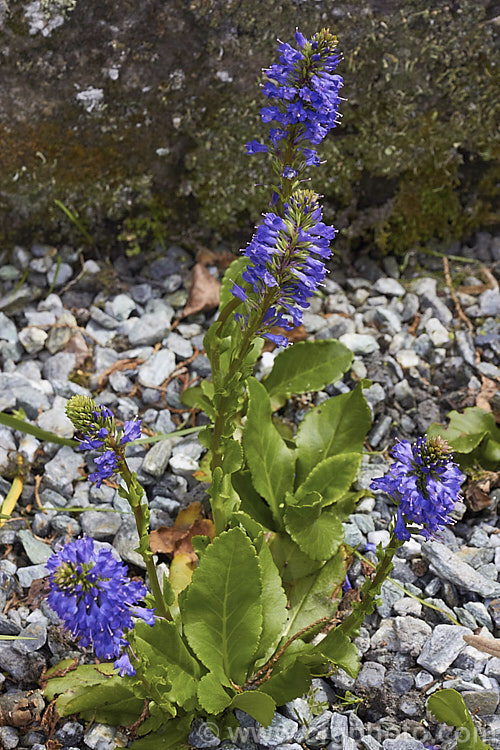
<point x="466" y="430"/>
<point x="291" y="562"/>
<point x="448" y="706"/>
<point x="338" y="425"/>
<point x="32" y="429"/>
<point x="274" y="602"/>
<point x="270" y="462"/>
<point x="200" y="542"/>
<point x="311" y="597"/>
<point x="82" y="677"/>
<point x="285" y="685"/>
<point x="165" y="650"/>
<point x="195" y="398"/>
<point x="256" y="703"/>
<point x="331" y="478"/>
<point x="251" y="502"/>
<point x="231" y="276"/>
<point x="250" y="526"/>
<point x="489" y="454"/>
<point x="317" y="532"/>
<point x="338" y="649"/>
<point x="308" y="366"/>
<point x="112" y="702"/>
<point x="212" y="696"/>
<point x="173" y="735"/>
<point x="232" y="456"/>
<point x="222" y="611"/>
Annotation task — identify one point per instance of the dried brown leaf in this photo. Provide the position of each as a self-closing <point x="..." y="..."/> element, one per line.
<point x="477" y="494"/>
<point x="204" y="293"/>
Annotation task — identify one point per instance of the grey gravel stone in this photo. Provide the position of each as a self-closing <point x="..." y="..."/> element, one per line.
<point x="338" y="728"/>
<point x="389" y="594"/>
<point x="8" y="330"/>
<point x="63" y="468"/>
<point x="448" y="565"/>
<point x="157" y="368"/>
<point x="100" y="525"/>
<point x="412" y="633"/>
<point x="126" y="541"/>
<point x="31" y="573"/>
<point x="480" y="613"/>
<point x="442" y="648"/>
<point x="389" y="286"/>
<point x="465" y="346"/>
<point x="481" y="701"/>
<point x="157" y="458"/>
<point x="151" y="327"/>
<point x="280" y="730"/>
<point x="371" y="675"/>
<point x="37" y="551"/>
<point x="489" y="303"/>
<point x="438" y="307"/>
<point x="202" y="735"/>
<point x="370" y="743"/>
<point x="403" y="744"/>
<point x="59" y="366"/>
<point x="35" y="634"/>
<point x="9" y="738"/>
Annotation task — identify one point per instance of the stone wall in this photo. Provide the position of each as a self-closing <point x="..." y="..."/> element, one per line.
<point x="134" y="116"/>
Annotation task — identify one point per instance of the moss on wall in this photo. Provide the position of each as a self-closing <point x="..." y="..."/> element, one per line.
<point x="413" y="162"/>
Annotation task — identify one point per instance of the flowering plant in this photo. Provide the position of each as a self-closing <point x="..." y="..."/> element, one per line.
<point x="244" y="631"/>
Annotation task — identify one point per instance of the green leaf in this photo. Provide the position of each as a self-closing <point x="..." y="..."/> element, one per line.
<point x="32" y="429"/>
<point x="331" y="478"/>
<point x="448" y="706"/>
<point x="251" y="502"/>
<point x="308" y="366"/>
<point x="232" y="456"/>
<point x="173" y="735"/>
<point x="231" y="276"/>
<point x="165" y="650"/>
<point x="311" y="597"/>
<point x="81" y="677"/>
<point x="338" y="649"/>
<point x="270" y="462"/>
<point x="489" y="454"/>
<point x="224" y="500"/>
<point x="211" y="694"/>
<point x="222" y="612"/>
<point x="274" y="602"/>
<point x="466" y="430"/>
<point x="319" y="533"/>
<point x="285" y="685"/>
<point x="200" y="543"/>
<point x="291" y="562"/>
<point x="112" y="702"/>
<point x="259" y="705"/>
<point x="338" y="425"/>
<point x="195" y="398"/>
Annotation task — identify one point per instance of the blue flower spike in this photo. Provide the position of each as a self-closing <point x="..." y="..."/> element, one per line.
<point x="424" y="483"/>
<point x="96" y="601"/>
<point x="97" y="425"/>
<point x="303" y="92"/>
<point x="282" y="270"/>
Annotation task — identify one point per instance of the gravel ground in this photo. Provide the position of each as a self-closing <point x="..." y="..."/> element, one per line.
<point x="72" y="326"/>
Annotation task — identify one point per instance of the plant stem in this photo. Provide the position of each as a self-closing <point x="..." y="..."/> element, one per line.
<point x="142" y="531"/>
<point x="353" y="621"/>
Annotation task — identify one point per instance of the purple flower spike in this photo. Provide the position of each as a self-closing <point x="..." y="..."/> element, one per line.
<point x="96" y="601"/>
<point x="424" y="483"/>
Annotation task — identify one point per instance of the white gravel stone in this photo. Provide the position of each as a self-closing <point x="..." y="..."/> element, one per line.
<point x="389" y="286"/>
<point x="151" y="327"/>
<point x="377" y="537"/>
<point x="33" y="339"/>
<point x="437" y="333"/>
<point x="407" y="358"/>
<point x="360" y="343"/>
<point x="411" y="633"/>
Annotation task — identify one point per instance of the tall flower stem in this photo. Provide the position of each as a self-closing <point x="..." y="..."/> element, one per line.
<point x="353" y="622"/>
<point x="141" y="515"/>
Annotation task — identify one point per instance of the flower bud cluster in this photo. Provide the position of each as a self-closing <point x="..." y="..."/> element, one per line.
<point x="97" y="425"/>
